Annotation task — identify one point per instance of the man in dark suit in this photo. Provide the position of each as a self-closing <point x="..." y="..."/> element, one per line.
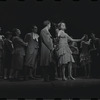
<point x="31" y="52"/>
<point x="46" y="49"/>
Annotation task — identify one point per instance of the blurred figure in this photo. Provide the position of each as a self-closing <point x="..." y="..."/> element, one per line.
<point x="1" y="54"/>
<point x="64" y="52"/>
<point x="8" y="48"/>
<point x="32" y="52"/>
<point x="85" y="56"/>
<point x="95" y="55"/>
<point x="46" y="49"/>
<point x="75" y="53"/>
<point x="18" y="53"/>
<point x="55" y="42"/>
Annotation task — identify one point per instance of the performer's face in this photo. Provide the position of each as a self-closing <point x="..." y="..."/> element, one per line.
<point x="35" y="29"/>
<point x="93" y="36"/>
<point x="18" y="32"/>
<point x="63" y="26"/>
<point x="86" y="38"/>
<point x="49" y="26"/>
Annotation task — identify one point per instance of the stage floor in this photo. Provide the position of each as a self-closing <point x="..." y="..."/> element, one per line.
<point x="81" y="88"/>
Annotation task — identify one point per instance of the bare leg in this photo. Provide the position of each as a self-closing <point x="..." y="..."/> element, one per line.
<point x="75" y="72"/>
<point x="34" y="72"/>
<point x="16" y="74"/>
<point x="89" y="70"/>
<point x="70" y="71"/>
<point x="60" y="71"/>
<point x="11" y="72"/>
<point x="5" y="73"/>
<point x="31" y="73"/>
<point x="63" y="72"/>
<point x="35" y="69"/>
<point x="85" y="68"/>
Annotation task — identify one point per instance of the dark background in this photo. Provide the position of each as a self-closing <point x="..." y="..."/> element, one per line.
<point x="81" y="16"/>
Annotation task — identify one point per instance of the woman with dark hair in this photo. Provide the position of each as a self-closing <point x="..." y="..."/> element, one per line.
<point x="64" y="52"/>
<point x="85" y="56"/>
<point x="18" y="53"/>
<point x="8" y="49"/>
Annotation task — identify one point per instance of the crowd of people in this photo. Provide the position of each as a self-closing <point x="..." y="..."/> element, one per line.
<point x="51" y="55"/>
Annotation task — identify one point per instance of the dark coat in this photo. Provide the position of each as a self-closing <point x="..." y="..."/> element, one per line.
<point x="8" y="48"/>
<point x="46" y="47"/>
<point x="18" y="53"/>
<point x="19" y="45"/>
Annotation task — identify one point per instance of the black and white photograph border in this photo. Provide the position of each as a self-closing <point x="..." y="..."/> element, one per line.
<point x="50" y="49"/>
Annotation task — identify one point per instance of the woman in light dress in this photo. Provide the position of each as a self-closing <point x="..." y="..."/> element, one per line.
<point x="64" y="52"/>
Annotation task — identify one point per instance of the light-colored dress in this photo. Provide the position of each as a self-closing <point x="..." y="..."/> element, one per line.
<point x="64" y="52"/>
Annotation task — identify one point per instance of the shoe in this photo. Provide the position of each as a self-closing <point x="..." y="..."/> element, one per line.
<point x="88" y="76"/>
<point x="25" y="78"/>
<point x="5" y="78"/>
<point x="10" y="77"/>
<point x="71" y="78"/>
<point x="64" y="79"/>
<point x="31" y="77"/>
<point x="46" y="80"/>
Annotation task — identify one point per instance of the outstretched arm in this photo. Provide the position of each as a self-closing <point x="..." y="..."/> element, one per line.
<point x="75" y="40"/>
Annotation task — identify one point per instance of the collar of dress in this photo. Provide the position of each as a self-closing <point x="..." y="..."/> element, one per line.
<point x="35" y="36"/>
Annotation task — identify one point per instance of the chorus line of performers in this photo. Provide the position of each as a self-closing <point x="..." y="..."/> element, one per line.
<point x="24" y="56"/>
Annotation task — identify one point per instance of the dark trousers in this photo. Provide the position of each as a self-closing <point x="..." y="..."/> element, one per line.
<point x="49" y="72"/>
<point x="25" y="71"/>
<point x="46" y="73"/>
<point x="95" y="64"/>
<point x="52" y="71"/>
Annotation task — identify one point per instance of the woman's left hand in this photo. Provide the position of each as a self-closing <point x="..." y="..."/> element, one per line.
<point x="83" y="37"/>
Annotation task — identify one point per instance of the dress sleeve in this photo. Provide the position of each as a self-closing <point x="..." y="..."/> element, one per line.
<point x="21" y="42"/>
<point x="27" y="38"/>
